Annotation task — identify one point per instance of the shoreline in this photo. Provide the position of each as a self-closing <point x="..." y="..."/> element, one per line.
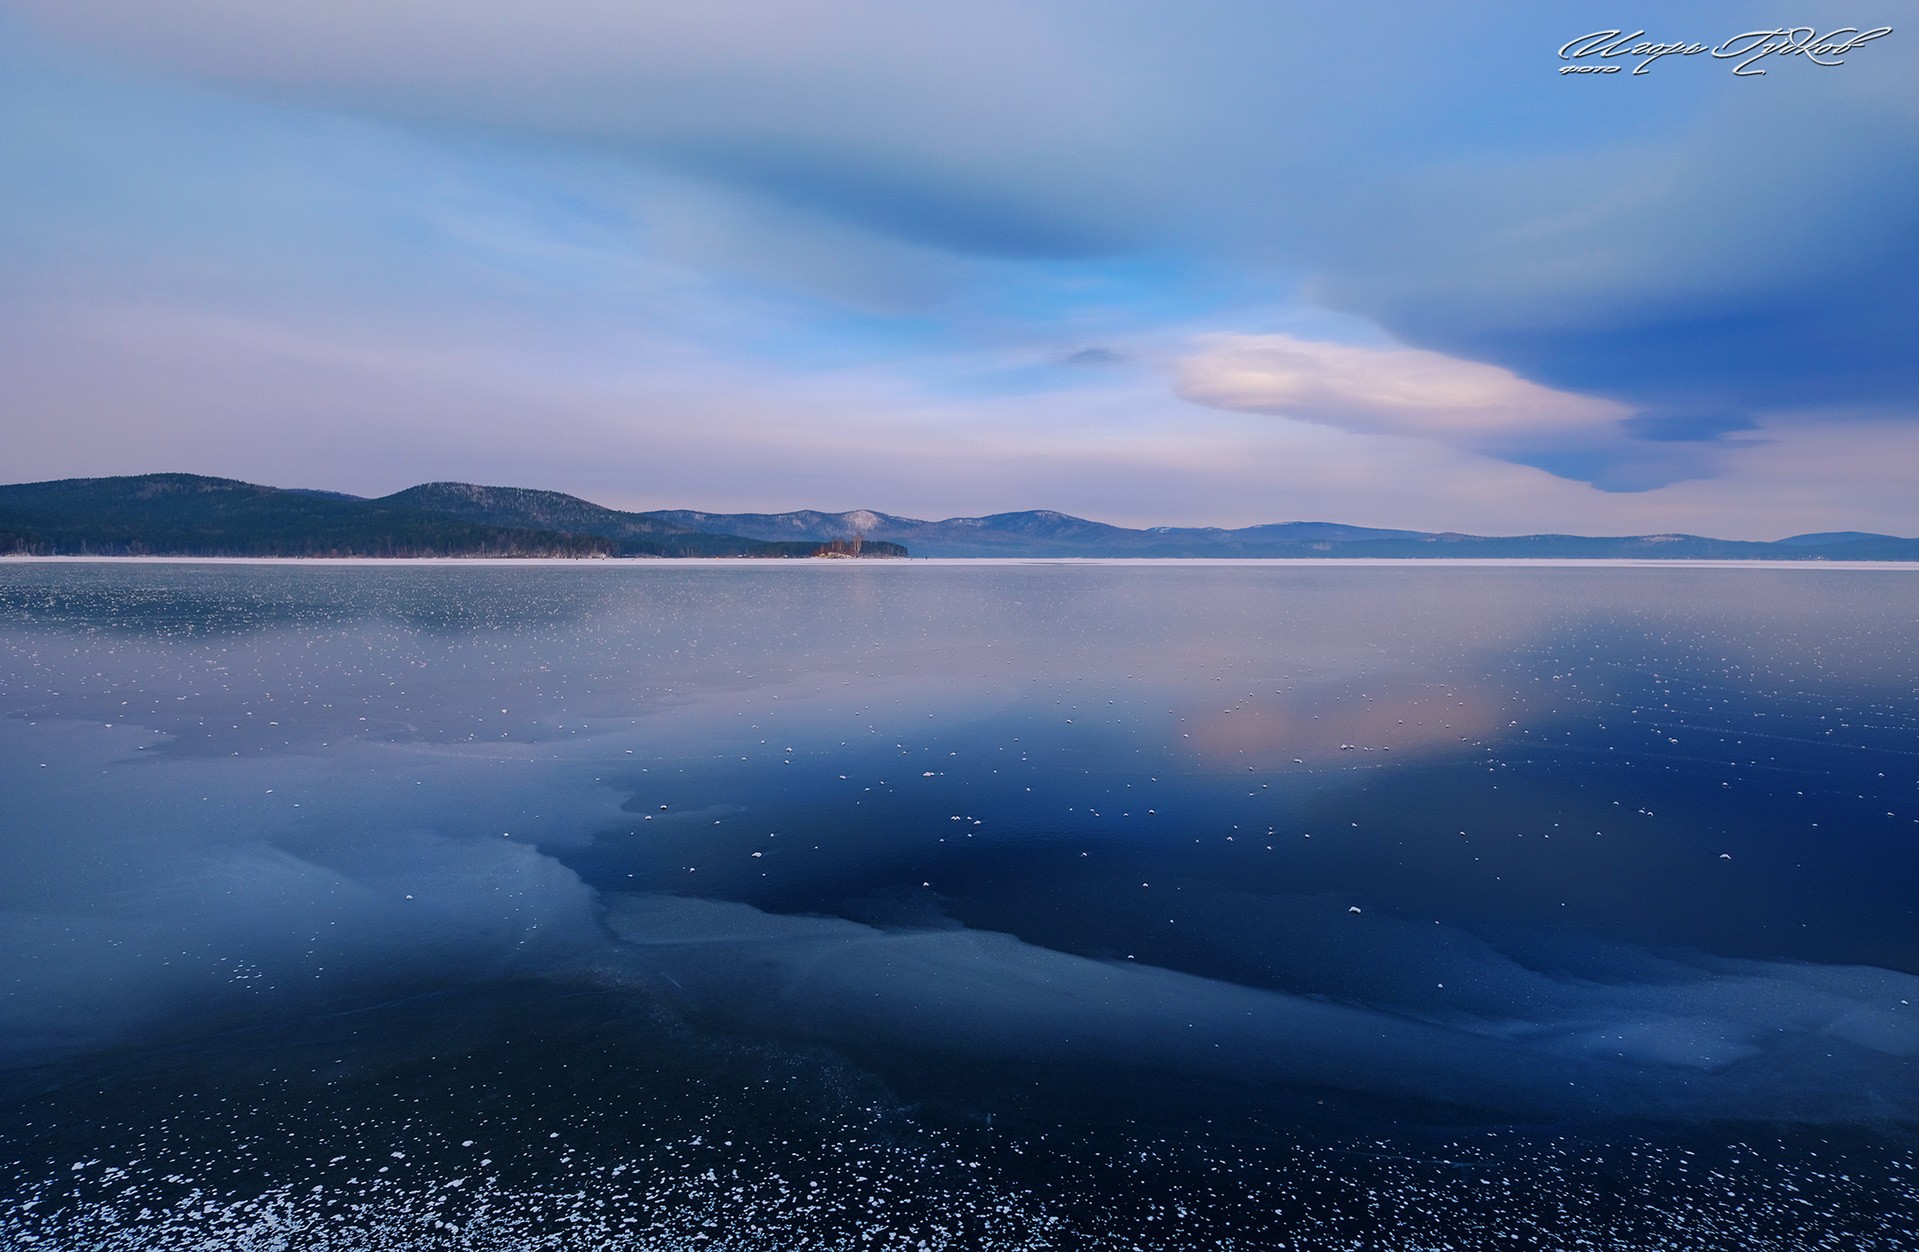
<point x="458" y="562"/>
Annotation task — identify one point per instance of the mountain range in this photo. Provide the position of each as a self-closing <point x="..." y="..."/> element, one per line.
<point x="191" y="515"/>
<point x="1043" y="533"/>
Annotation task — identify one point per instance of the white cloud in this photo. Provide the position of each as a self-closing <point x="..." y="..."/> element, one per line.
<point x="1392" y="391"/>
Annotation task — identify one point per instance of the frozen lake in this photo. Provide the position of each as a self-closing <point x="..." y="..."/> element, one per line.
<point x="778" y="905"/>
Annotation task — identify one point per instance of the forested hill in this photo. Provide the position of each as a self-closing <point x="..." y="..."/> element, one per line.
<point x="192" y="515"/>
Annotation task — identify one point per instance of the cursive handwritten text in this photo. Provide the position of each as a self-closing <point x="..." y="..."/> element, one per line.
<point x="1608" y="51"/>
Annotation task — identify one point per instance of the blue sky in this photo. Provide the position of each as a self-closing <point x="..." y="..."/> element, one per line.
<point x="1207" y="262"/>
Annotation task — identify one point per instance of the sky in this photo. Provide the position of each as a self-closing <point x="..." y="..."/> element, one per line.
<point x="1205" y="262"/>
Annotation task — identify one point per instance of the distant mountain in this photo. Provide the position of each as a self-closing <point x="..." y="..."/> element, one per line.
<point x="189" y="515"/>
<point x="1039" y="532"/>
<point x="1043" y="533"/>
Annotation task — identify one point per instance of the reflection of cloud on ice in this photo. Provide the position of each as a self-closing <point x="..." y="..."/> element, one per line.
<point x="1270" y="729"/>
<point x="1407" y="664"/>
<point x="1661" y="1037"/>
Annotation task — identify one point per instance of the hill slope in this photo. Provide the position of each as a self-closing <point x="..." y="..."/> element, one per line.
<point x="521" y="507"/>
